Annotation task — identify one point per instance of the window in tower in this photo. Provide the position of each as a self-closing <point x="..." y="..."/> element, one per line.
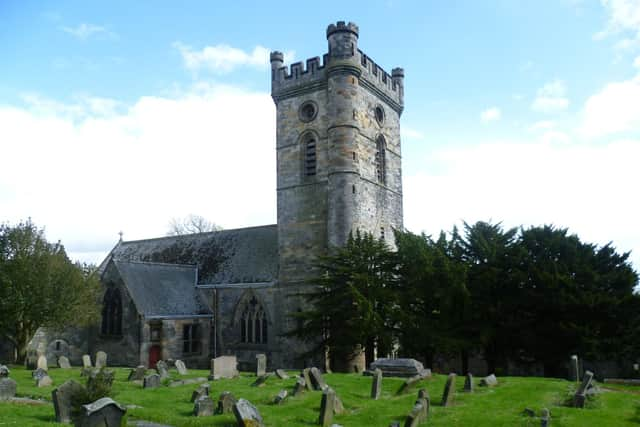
<point x="308" y="111"/>
<point x="309" y="156"/>
<point x="380" y="159"/>
<point x="379" y="114"/>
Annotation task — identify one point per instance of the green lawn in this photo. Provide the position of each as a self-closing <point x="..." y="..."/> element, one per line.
<point x="499" y="406"/>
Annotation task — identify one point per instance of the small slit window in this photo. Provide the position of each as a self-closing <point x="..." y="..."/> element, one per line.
<point x="310" y="160"/>
<point x="380" y="160"/>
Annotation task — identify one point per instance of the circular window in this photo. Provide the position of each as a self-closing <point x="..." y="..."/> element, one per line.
<point x="379" y="113"/>
<point x="308" y="111"/>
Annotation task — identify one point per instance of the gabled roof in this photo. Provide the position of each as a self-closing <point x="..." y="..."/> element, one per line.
<point x="243" y="255"/>
<point x="162" y="289"/>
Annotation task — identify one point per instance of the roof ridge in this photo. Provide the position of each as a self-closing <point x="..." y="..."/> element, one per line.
<point x="123" y="261"/>
<point x="199" y="234"/>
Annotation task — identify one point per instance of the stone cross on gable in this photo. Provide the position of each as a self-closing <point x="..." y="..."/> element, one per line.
<point x="120" y="233"/>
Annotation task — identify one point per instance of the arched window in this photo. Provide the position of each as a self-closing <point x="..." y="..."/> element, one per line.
<point x="253" y="323"/>
<point x="381" y="161"/>
<point x="309" y="147"/>
<point x="112" y="312"/>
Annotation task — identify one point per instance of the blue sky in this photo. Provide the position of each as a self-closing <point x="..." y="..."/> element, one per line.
<point x="121" y="115"/>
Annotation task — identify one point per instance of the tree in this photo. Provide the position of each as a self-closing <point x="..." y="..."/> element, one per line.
<point x="40" y="286"/>
<point x="351" y="301"/>
<point x="191" y="224"/>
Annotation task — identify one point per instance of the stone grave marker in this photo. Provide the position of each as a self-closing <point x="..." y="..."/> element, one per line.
<point x="203" y="390"/>
<point x="44" y="381"/>
<point x="376" y="384"/>
<point x="415" y="417"/>
<point x="203" y="407"/>
<point x="338" y="407"/>
<point x="63" y="397"/>
<point x="38" y="373"/>
<point x="326" y="407"/>
<point x="42" y="363"/>
<point x="282" y="374"/>
<point x="137" y="374"/>
<point x="410" y="383"/>
<point x="581" y="393"/>
<point x="63" y="362"/>
<point x="545" y="418"/>
<point x="260" y="381"/>
<point x="226" y="402"/>
<point x="317" y="380"/>
<point x="299" y="387"/>
<point x="449" y="390"/>
<point x="101" y="360"/>
<point x="280" y="398"/>
<point x="574" y="372"/>
<point x="261" y="364"/>
<point x="307" y="378"/>
<point x="489" y="381"/>
<point x="163" y="369"/>
<point x="151" y="381"/>
<point x="182" y="369"/>
<point x="8" y="388"/>
<point x="86" y="361"/>
<point x="4" y="371"/>
<point x="103" y="412"/>
<point x="468" y="383"/>
<point x="425" y="401"/>
<point x="246" y="414"/>
<point x="399" y="367"/>
<point x="224" y="367"/>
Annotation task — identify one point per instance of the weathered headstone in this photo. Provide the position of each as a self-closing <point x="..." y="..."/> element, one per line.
<point x="280" y="398"/>
<point x="163" y="369"/>
<point x="410" y="383"/>
<point x="317" y="379"/>
<point x="282" y="374"/>
<point x="137" y="374"/>
<point x="400" y="367"/>
<point x="489" y="381"/>
<point x="151" y="381"/>
<point x="425" y="401"/>
<point x="42" y="363"/>
<point x="203" y="390"/>
<point x="226" y="401"/>
<point x="182" y="369"/>
<point x="338" y="407"/>
<point x="261" y="364"/>
<point x="101" y="360"/>
<point x="545" y="418"/>
<point x="260" y="381"/>
<point x="468" y="383"/>
<point x="86" y="361"/>
<point x="45" y="381"/>
<point x="224" y="367"/>
<point x="8" y="388"/>
<point x="449" y="390"/>
<point x="38" y="373"/>
<point x="103" y="412"/>
<point x="299" y="387"/>
<point x="326" y="407"/>
<point x="63" y="362"/>
<point x="416" y="415"/>
<point x="376" y="384"/>
<point x="63" y="398"/>
<point x="574" y="372"/>
<point x="581" y="393"/>
<point x="4" y="371"/>
<point x="246" y="414"/>
<point x="307" y="378"/>
<point x="203" y="407"/>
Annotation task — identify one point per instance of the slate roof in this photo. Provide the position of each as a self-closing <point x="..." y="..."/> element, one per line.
<point x="162" y="289"/>
<point x="243" y="255"/>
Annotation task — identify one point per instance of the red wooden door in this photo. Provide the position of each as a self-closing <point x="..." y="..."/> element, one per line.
<point x="154" y="355"/>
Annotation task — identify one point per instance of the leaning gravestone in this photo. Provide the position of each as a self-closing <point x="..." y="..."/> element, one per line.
<point x="376" y="384"/>
<point x="400" y="367"/>
<point x="574" y="373"/>
<point x="280" y="398"/>
<point x="103" y="412"/>
<point x="63" y="398"/>
<point x="261" y="364"/>
<point x="246" y="414"/>
<point x="489" y="381"/>
<point x="42" y="363"/>
<point x="4" y="371"/>
<point x="317" y="380"/>
<point x="151" y="381"/>
<point x="299" y="387"/>
<point x="163" y="369"/>
<point x="101" y="360"/>
<point x="203" y="407"/>
<point x="326" y="407"/>
<point x="307" y="378"/>
<point x="282" y="374"/>
<point x="137" y="374"/>
<point x="581" y="394"/>
<point x="449" y="390"/>
<point x="8" y="388"/>
<point x="203" y="390"/>
<point x="468" y="383"/>
<point x="260" y="381"/>
<point x="425" y="401"/>
<point x="86" y="361"/>
<point x="224" y="367"/>
<point x="63" y="362"/>
<point x="182" y="369"/>
<point x="416" y="416"/>
<point x="226" y="402"/>
<point x="410" y="383"/>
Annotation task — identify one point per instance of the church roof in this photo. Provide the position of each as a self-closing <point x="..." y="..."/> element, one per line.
<point x="243" y="255"/>
<point x="162" y="289"/>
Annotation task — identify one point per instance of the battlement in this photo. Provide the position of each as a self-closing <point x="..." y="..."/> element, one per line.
<point x="340" y="26"/>
<point x="377" y="74"/>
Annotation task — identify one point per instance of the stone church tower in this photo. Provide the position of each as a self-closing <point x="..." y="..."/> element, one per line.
<point x="338" y="153"/>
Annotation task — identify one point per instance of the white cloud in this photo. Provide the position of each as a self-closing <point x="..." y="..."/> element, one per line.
<point x="623" y="15"/>
<point x="551" y="98"/>
<point x="636" y="62"/>
<point x="490" y="115"/>
<point x="543" y="125"/>
<point x="84" y="31"/>
<point x="223" y="58"/>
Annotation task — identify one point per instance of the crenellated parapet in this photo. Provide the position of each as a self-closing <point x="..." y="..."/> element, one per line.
<point x="296" y="79"/>
<point x="388" y="86"/>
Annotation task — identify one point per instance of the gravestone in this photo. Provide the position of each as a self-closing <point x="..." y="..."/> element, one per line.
<point x="299" y="387"/>
<point x="44" y="381"/>
<point x="326" y="407"/>
<point x="416" y="416"/>
<point x="317" y="380"/>
<point x="376" y="384"/>
<point x="282" y="374"/>
<point x="4" y="371"/>
<point x="489" y="381"/>
<point x="307" y="378"/>
<point x="581" y="393"/>
<point x="163" y="369"/>
<point x="151" y="381"/>
<point x="103" y="412"/>
<point x="468" y="383"/>
<point x="63" y="398"/>
<point x="224" y="367"/>
<point x="203" y="390"/>
<point x="226" y="402"/>
<point x="101" y="360"/>
<point x="246" y="414"/>
<point x="63" y="362"/>
<point x="260" y="381"/>
<point x="42" y="363"/>
<point x="8" y="388"/>
<point x="203" y="407"/>
<point x="545" y="418"/>
<point x="574" y="372"/>
<point x="182" y="369"/>
<point x="86" y="361"/>
<point x="410" y="383"/>
<point x="137" y="374"/>
<point x="261" y="364"/>
<point x="449" y="390"/>
<point x="280" y="398"/>
<point x="38" y="373"/>
<point x="399" y="367"/>
<point x="425" y="401"/>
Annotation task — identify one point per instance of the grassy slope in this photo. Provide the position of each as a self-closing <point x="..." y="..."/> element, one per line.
<point x="500" y="406"/>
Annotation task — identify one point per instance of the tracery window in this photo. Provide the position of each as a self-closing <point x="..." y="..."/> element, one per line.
<point x="380" y="160"/>
<point x="253" y="323"/>
<point x="112" y="312"/>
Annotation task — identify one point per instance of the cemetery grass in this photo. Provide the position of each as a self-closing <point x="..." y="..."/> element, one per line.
<point x="499" y="406"/>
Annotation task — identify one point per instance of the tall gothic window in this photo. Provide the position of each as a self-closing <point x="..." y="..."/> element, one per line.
<point x="309" y="155"/>
<point x="381" y="161"/>
<point x="112" y="312"/>
<point x="253" y="323"/>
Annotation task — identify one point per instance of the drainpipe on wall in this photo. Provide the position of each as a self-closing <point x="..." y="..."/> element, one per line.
<point x="215" y="323"/>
